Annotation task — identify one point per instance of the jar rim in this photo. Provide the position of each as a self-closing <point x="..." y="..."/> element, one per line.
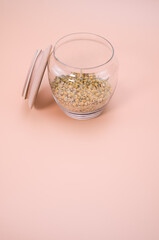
<point x="87" y="68"/>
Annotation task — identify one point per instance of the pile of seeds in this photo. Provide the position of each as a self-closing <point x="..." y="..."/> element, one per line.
<point x="81" y="93"/>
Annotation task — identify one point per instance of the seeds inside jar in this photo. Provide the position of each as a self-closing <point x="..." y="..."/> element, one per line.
<point x="81" y="93"/>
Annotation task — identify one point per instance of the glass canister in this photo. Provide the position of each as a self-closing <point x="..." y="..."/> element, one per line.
<point x="82" y="71"/>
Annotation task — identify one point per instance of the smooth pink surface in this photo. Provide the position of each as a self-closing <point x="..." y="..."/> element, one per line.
<point x="77" y="180"/>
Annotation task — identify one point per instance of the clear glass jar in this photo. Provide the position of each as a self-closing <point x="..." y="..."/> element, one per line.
<point x="82" y="73"/>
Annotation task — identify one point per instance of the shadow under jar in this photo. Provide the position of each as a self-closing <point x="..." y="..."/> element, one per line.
<point x="82" y="71"/>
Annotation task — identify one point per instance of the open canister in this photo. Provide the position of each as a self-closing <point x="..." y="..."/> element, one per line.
<point x="82" y="72"/>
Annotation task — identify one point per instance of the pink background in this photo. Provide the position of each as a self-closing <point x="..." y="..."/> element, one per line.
<point x="80" y="180"/>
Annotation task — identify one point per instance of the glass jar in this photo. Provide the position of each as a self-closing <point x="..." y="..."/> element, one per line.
<point x="82" y="73"/>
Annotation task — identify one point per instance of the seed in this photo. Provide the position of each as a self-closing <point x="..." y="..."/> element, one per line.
<point x="93" y="91"/>
<point x="81" y="103"/>
<point x="81" y="92"/>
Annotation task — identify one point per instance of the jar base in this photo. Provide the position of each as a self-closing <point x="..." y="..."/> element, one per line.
<point x="85" y="116"/>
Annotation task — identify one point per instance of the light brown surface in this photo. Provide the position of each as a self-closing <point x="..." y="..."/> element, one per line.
<point x="66" y="179"/>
